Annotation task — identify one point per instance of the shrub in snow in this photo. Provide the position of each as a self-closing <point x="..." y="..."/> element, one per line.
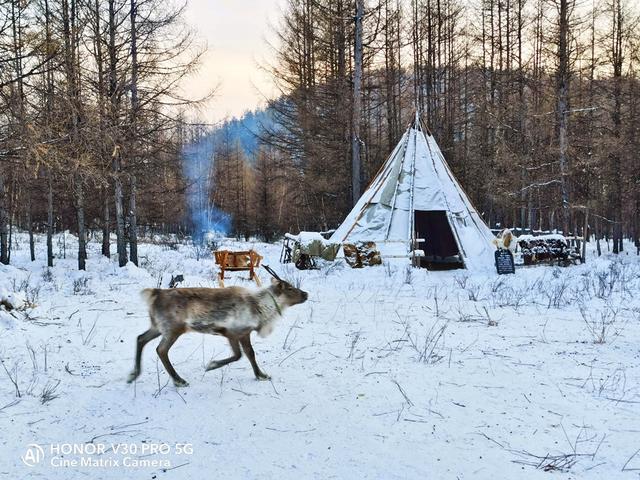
<point x="601" y="324"/>
<point x="47" y="275"/>
<point x="81" y="286"/>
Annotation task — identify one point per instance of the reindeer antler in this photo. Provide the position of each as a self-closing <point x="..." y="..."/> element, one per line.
<point x="273" y="274"/>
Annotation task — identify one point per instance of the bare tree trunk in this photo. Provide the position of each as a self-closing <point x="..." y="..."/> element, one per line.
<point x="32" y="246"/>
<point x="69" y="13"/>
<point x="356" y="161"/>
<point x="99" y="58"/>
<point x="11" y="218"/>
<point x="617" y="63"/>
<point x="562" y="109"/>
<point x="106" y="250"/>
<point x="117" y="153"/>
<point x="4" y="220"/>
<point x="135" y="105"/>
<point x="119" y="201"/>
<point x="392" y="69"/>
<point x="82" y="234"/>
<point x="49" y="219"/>
<point x="133" y="224"/>
<point x="49" y="101"/>
<point x="585" y="235"/>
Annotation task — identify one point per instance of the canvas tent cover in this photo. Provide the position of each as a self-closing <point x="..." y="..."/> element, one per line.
<point x="416" y="177"/>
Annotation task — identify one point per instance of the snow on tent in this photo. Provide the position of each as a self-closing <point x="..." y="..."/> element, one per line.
<point x="415" y="204"/>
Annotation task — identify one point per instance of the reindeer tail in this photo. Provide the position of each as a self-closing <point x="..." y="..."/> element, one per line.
<point x="149" y="295"/>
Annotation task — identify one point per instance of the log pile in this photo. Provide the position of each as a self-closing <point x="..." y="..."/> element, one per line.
<point x="553" y="249"/>
<point x="361" y="254"/>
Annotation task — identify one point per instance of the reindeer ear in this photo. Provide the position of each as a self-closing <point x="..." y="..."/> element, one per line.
<point x="274" y="281"/>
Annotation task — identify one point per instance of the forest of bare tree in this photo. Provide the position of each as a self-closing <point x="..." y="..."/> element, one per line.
<point x="535" y="104"/>
<point x="89" y="125"/>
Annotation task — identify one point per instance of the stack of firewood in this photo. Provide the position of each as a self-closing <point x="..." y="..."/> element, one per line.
<point x="547" y="249"/>
<point x="361" y="254"/>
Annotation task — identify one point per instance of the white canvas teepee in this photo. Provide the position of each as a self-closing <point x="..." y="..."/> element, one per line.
<point x="415" y="197"/>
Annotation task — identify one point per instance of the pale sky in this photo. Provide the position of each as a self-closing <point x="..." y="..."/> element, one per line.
<point x="236" y="33"/>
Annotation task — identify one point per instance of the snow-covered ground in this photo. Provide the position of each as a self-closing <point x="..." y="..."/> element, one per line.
<point x="385" y="372"/>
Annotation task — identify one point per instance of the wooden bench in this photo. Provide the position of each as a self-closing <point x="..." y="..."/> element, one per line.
<point x="241" y="261"/>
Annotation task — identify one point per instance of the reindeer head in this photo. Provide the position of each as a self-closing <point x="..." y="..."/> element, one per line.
<point x="286" y="293"/>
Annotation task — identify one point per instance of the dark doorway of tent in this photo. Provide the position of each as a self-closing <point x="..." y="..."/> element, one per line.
<point x="439" y="245"/>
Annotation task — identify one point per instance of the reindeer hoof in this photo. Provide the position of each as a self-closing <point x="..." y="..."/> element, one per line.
<point x="132" y="376"/>
<point x="181" y="382"/>
<point x="263" y="376"/>
<point x="212" y="365"/>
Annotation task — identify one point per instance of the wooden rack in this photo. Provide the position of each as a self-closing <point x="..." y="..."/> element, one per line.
<point x="239" y="261"/>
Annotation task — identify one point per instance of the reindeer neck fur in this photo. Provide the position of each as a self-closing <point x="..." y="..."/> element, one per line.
<point x="268" y="309"/>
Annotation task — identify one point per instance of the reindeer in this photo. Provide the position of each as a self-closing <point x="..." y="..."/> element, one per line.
<point x="232" y="312"/>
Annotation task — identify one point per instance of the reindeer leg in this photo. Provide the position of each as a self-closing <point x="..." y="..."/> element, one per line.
<point x="235" y="346"/>
<point x="163" y="352"/>
<point x="143" y="339"/>
<point x="251" y="355"/>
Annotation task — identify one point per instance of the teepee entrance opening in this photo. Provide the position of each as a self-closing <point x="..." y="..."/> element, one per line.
<point x="440" y="248"/>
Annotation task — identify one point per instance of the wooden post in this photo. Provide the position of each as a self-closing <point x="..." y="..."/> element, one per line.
<point x="356" y="162"/>
<point x="223" y="264"/>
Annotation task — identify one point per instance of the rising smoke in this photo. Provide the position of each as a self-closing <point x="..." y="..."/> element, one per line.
<point x="197" y="164"/>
